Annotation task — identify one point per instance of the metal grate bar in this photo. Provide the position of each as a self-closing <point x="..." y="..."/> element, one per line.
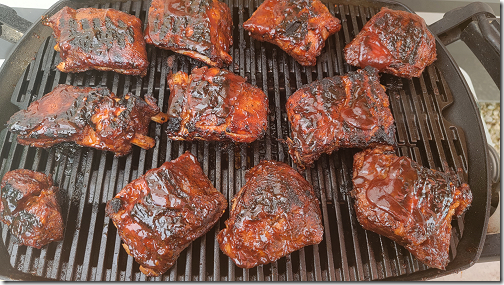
<point x="80" y="186"/>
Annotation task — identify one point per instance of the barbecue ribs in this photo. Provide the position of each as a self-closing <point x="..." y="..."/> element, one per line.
<point x="339" y="112"/>
<point x="215" y="104"/>
<point x="299" y="27"/>
<point x="410" y="204"/>
<point x="163" y="211"/>
<point x="29" y="207"/>
<point x="274" y="214"/>
<point x="395" y="42"/>
<point x="101" y="39"/>
<point x="88" y="116"/>
<point x="200" y="29"/>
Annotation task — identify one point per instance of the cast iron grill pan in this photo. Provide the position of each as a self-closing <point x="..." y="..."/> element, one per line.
<point x="88" y="178"/>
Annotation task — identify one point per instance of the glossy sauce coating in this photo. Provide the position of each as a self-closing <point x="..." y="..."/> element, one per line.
<point x="159" y="214"/>
<point x="339" y="112"/>
<point x="29" y="207"/>
<point x="88" y="116"/>
<point x="299" y="27"/>
<point x="214" y="104"/>
<point x="200" y="29"/>
<point x="101" y="39"/>
<point x="395" y="42"/>
<point x="410" y="204"/>
<point x="274" y="214"/>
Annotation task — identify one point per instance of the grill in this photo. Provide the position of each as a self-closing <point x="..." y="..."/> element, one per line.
<point x="88" y="178"/>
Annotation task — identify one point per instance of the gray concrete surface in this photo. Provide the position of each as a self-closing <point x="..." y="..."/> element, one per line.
<point x="487" y="271"/>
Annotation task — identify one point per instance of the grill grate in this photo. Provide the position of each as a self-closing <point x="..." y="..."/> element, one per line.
<point x="88" y="178"/>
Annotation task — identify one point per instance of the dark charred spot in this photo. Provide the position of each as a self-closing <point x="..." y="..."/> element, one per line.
<point x="23" y="223"/>
<point x="10" y="199"/>
<point x="116" y="204"/>
<point x="173" y="125"/>
<point x="191" y="127"/>
<point x="293" y="27"/>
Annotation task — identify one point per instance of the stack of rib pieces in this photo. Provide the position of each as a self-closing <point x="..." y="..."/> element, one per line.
<point x="277" y="211"/>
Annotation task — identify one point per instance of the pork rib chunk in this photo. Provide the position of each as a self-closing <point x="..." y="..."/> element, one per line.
<point x="410" y="204"/>
<point x="299" y="27"/>
<point x="214" y="104"/>
<point x="88" y="116"/>
<point x="159" y="214"/>
<point x="30" y="208"/>
<point x="101" y="39"/>
<point x="200" y="29"/>
<point x="274" y="214"/>
<point x="395" y="42"/>
<point x="350" y="111"/>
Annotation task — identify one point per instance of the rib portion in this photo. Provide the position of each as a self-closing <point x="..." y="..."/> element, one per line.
<point x="159" y="214"/>
<point x="88" y="116"/>
<point x="101" y="39"/>
<point x="274" y="214"/>
<point x="350" y="111"/>
<point x="30" y="207"/>
<point x="214" y="104"/>
<point x="200" y="29"/>
<point x="395" y="42"/>
<point x="410" y="204"/>
<point x="299" y="27"/>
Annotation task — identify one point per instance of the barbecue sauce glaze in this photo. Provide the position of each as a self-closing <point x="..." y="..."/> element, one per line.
<point x="339" y="112"/>
<point x="413" y="205"/>
<point x="214" y="104"/>
<point x="274" y="214"/>
<point x="159" y="214"/>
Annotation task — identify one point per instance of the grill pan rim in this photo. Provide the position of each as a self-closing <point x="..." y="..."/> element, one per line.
<point x="31" y="41"/>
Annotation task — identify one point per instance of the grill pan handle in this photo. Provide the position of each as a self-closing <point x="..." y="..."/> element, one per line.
<point x="12" y="26"/>
<point x="477" y="26"/>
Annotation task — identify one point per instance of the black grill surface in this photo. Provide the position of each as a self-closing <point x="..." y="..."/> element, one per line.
<point x="88" y="178"/>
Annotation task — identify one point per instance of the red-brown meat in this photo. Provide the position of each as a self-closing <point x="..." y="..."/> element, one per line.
<point x="88" y="116"/>
<point x="29" y="207"/>
<point x="339" y="112"/>
<point x="274" y="214"/>
<point x="299" y="27"/>
<point x="159" y="214"/>
<point x="101" y="39"/>
<point x="395" y="42"/>
<point x="214" y="104"/>
<point x="200" y="29"/>
<point x="410" y="204"/>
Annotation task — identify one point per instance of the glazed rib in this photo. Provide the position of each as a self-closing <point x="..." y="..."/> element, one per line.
<point x="159" y="214"/>
<point x="200" y="29"/>
<point x="350" y="111"/>
<point x="410" y="204"/>
<point x="87" y="116"/>
<point x="274" y="214"/>
<point x="101" y="39"/>
<point x="29" y="207"/>
<point x="214" y="104"/>
<point x="299" y="27"/>
<point x="395" y="42"/>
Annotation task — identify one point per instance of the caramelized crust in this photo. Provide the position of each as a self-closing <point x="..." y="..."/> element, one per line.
<point x="200" y="29"/>
<point x="274" y="214"/>
<point x="88" y="116"/>
<point x="299" y="27"/>
<point x="410" y="204"/>
<point x="395" y="42"/>
<point x="214" y="104"/>
<point x="101" y="39"/>
<point x="350" y="111"/>
<point x="29" y="207"/>
<point x="159" y="214"/>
